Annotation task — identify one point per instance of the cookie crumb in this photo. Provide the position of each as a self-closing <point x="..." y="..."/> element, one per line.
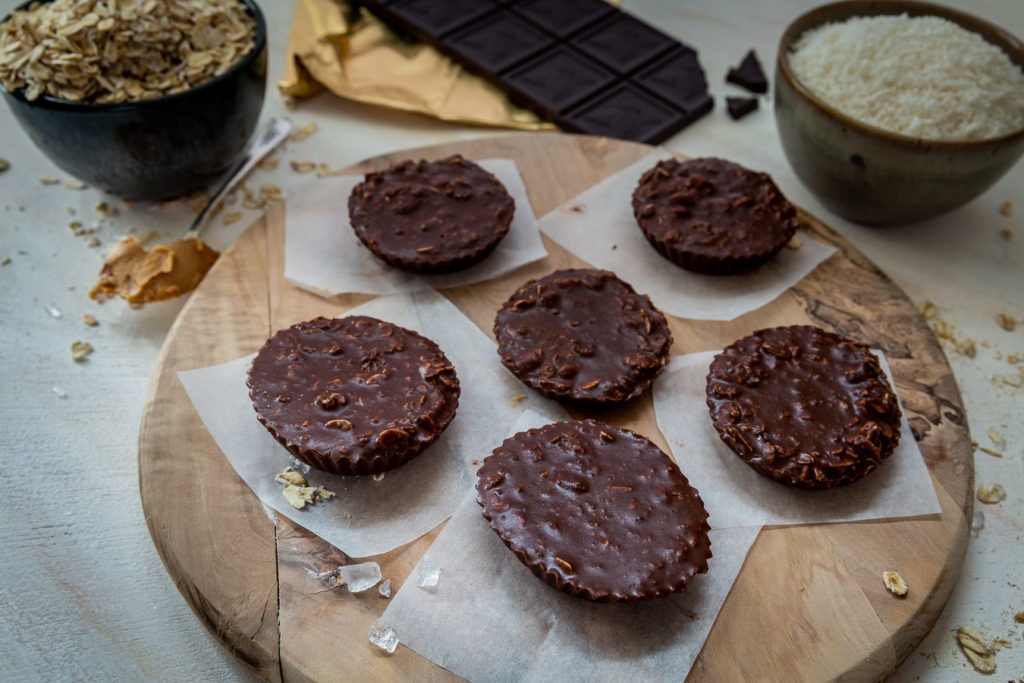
<point x="1006" y="208"/>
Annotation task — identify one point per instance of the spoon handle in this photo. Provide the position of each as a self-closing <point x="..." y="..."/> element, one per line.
<point x="272" y="136"/>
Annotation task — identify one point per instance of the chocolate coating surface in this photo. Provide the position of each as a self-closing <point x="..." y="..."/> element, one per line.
<point x="712" y="216"/>
<point x="596" y="511"/>
<point x="582" y="335"/>
<point x="431" y="216"/>
<point x="353" y="395"/>
<point x="803" y="406"/>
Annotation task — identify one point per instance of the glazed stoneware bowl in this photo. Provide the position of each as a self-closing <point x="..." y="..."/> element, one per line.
<point x="159" y="148"/>
<point x="872" y="176"/>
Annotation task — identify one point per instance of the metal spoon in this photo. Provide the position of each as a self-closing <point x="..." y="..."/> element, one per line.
<point x="274" y="134"/>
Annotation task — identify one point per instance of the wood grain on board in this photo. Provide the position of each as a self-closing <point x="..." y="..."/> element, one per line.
<point x="809" y="603"/>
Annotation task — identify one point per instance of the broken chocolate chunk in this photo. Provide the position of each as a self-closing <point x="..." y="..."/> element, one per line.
<point x="740" y="106"/>
<point x="749" y="74"/>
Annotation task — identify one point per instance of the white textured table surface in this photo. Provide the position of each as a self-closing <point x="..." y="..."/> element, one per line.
<point x="83" y="593"/>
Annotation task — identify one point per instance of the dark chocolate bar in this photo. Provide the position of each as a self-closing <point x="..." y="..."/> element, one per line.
<point x="584" y="65"/>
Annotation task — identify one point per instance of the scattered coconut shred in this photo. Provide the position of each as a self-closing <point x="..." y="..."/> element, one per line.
<point x="920" y="76"/>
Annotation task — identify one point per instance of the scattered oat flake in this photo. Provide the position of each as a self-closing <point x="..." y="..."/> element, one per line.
<point x="795" y="243"/>
<point x="75" y="184"/>
<point x="268" y="163"/>
<point x="996" y="437"/>
<point x="324" y="170"/>
<point x="299" y="496"/>
<point x="290" y="476"/>
<point x="1019" y="617"/>
<point x="1006" y="234"/>
<point x="990" y="494"/>
<point x="271" y="191"/>
<point x="894" y="583"/>
<point x="1007" y="322"/>
<point x="303" y="166"/>
<point x="79" y="350"/>
<point x="993" y="453"/>
<point x="6" y="260"/>
<point x="1006" y="208"/>
<point x="967" y="347"/>
<point x="90" y="320"/>
<point x="980" y="655"/>
<point x="304" y="131"/>
<point x="929" y="310"/>
<point x="518" y="398"/>
<point x="232" y="218"/>
<point x="106" y="209"/>
<point x="93" y="242"/>
<point x="4" y="164"/>
<point x="50" y="180"/>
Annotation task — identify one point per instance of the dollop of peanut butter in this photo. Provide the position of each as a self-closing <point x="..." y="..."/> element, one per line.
<point x="140" y="275"/>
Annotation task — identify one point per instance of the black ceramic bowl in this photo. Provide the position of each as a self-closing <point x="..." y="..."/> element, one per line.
<point x="153" y="149"/>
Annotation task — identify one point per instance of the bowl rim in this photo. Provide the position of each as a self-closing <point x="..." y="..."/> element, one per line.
<point x="843" y="10"/>
<point x="49" y="102"/>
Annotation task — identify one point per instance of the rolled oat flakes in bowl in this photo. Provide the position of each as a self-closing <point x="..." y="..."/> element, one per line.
<point x="145" y="98"/>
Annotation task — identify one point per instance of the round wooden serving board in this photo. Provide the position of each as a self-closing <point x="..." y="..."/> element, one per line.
<point x="809" y="603"/>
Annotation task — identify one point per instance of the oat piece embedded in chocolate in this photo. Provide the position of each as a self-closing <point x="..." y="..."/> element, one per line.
<point x="712" y="216"/>
<point x="596" y="511"/>
<point x="431" y="216"/>
<point x="583" y="335"/>
<point x="806" y="407"/>
<point x="749" y="74"/>
<point x="353" y="395"/>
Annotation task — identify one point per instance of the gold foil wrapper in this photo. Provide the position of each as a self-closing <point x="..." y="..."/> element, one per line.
<point x="356" y="56"/>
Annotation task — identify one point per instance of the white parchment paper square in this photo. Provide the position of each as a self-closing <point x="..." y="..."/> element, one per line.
<point x="736" y="495"/>
<point x="369" y="517"/>
<point x="598" y="226"/>
<point x="323" y="254"/>
<point x="489" y="618"/>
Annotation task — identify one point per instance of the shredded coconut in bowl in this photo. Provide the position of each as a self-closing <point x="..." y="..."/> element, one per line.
<point x="107" y="51"/>
<point x="924" y="76"/>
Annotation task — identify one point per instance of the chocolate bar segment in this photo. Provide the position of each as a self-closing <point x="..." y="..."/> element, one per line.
<point x="582" y="64"/>
<point x="497" y="41"/>
<point x="623" y="43"/>
<point x="542" y="84"/>
<point x="563" y="17"/>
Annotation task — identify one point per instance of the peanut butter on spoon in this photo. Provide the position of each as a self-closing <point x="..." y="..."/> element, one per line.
<point x="140" y="275"/>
